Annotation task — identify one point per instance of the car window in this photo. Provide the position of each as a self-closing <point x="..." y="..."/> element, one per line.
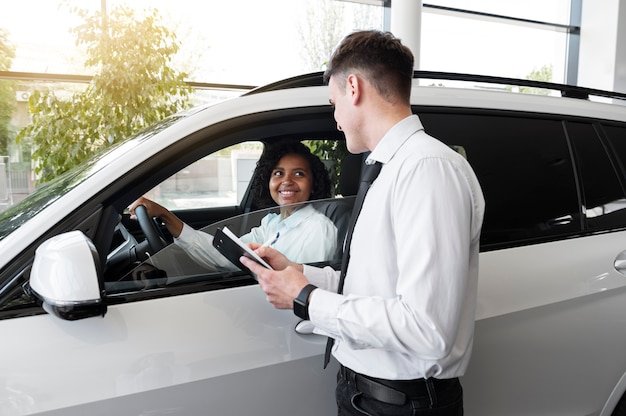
<point x="603" y="196"/>
<point x="617" y="140"/>
<point x="219" y="179"/>
<point x="178" y="264"/>
<point x="525" y="169"/>
<point x="214" y="191"/>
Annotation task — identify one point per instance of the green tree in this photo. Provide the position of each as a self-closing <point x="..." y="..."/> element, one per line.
<point x="7" y="91"/>
<point x="333" y="150"/>
<point x="133" y="87"/>
<point x="542" y="74"/>
<point x="323" y="24"/>
<point x="319" y="32"/>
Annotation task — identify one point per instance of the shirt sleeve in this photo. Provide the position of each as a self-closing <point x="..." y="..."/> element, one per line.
<point x="324" y="301"/>
<point x="261" y="233"/>
<point x="199" y="246"/>
<point x="325" y="278"/>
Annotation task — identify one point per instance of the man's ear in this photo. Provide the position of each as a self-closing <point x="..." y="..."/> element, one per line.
<point x="354" y="86"/>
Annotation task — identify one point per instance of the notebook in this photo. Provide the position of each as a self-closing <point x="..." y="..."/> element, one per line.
<point x="233" y="248"/>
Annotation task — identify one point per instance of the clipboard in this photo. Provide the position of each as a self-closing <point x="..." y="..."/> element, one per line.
<point x="233" y="248"/>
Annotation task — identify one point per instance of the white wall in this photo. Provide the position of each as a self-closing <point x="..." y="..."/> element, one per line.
<point x="602" y="62"/>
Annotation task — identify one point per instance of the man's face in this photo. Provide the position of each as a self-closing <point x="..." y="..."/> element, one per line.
<point x="346" y="112"/>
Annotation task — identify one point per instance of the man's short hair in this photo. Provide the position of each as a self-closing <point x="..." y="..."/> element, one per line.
<point x="380" y="58"/>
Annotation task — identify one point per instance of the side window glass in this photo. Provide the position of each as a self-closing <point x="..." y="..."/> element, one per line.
<point x="219" y="179"/>
<point x="617" y="138"/>
<point x="525" y="170"/>
<point x="313" y="233"/>
<point x="602" y="194"/>
<point x="310" y="231"/>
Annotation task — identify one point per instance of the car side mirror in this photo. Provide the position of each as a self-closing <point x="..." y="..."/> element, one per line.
<point x="64" y="277"/>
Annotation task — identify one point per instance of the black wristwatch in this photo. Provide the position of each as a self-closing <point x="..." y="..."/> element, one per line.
<point x="301" y="303"/>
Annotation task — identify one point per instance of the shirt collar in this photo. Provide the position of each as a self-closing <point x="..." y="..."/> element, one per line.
<point x="298" y="216"/>
<point x="394" y="139"/>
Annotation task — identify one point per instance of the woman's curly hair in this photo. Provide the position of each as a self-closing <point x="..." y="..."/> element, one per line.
<point x="320" y="188"/>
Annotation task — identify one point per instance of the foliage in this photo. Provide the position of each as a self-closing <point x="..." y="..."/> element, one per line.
<point x="7" y="91"/>
<point x="133" y="87"/>
<point x="333" y="150"/>
<point x="319" y="32"/>
<point x="325" y="23"/>
<point x="542" y="74"/>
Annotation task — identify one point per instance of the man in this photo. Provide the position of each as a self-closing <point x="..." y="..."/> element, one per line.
<point x="403" y="325"/>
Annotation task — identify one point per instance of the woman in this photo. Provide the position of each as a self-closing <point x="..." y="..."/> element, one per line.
<point x="287" y="173"/>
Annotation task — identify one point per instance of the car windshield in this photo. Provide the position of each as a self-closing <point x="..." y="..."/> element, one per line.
<point x="318" y="242"/>
<point x="46" y="194"/>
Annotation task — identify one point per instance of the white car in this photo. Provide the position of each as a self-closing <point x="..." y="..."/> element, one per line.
<point x="97" y="319"/>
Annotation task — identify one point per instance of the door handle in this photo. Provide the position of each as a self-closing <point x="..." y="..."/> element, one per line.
<point x="304" y="328"/>
<point x="620" y="262"/>
<point x="564" y="220"/>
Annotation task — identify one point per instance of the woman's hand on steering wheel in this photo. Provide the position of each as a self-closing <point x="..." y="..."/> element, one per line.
<point x="144" y="210"/>
<point x="149" y="229"/>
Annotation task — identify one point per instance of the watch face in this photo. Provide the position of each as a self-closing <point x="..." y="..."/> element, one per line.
<point x="300" y="309"/>
<point x="301" y="303"/>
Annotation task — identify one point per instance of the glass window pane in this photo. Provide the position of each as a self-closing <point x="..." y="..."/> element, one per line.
<point x="617" y="137"/>
<point x="217" y="180"/>
<point x="524" y="168"/>
<point x="602" y="193"/>
<point x="464" y="45"/>
<point x="551" y="11"/>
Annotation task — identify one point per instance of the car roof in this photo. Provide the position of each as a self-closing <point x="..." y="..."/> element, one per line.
<point x="491" y="92"/>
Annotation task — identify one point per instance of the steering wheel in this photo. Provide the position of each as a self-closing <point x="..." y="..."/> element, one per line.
<point x="149" y="228"/>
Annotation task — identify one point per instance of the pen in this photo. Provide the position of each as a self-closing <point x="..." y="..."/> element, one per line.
<point x="271" y="240"/>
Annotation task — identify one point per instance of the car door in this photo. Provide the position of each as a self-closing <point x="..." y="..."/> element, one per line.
<point x="189" y="340"/>
<point x="547" y="340"/>
<point x="204" y="342"/>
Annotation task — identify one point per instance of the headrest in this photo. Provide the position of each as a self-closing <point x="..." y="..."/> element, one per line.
<point x="350" y="175"/>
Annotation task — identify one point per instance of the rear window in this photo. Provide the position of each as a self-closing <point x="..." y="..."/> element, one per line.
<point x="524" y="166"/>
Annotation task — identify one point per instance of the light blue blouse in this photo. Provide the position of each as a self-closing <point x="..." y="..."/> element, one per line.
<point x="306" y="236"/>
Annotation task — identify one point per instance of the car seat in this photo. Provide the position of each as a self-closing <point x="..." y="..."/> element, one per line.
<point x="340" y="208"/>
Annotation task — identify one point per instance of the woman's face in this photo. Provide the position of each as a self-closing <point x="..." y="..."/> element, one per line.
<point x="291" y="180"/>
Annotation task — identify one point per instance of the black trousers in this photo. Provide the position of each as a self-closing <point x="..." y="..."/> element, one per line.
<point x="360" y="395"/>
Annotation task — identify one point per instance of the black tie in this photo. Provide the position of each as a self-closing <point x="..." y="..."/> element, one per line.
<point x="369" y="174"/>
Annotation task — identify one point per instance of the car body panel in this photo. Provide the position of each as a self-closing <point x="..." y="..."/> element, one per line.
<point x="156" y="345"/>
<point x="515" y="353"/>
<point x="530" y="316"/>
<point x="224" y="396"/>
<point x="568" y="269"/>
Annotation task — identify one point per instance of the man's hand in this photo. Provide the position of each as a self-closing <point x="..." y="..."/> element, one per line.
<point x="275" y="258"/>
<point x="280" y="286"/>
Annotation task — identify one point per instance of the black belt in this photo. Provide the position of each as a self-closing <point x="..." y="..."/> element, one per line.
<point x="393" y="391"/>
